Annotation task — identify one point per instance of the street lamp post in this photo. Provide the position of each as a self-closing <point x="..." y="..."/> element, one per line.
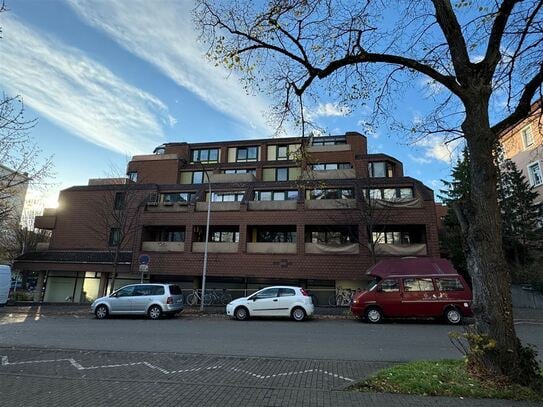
<point x="204" y="271"/>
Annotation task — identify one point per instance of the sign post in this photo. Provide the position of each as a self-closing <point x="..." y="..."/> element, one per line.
<point x="144" y="261"/>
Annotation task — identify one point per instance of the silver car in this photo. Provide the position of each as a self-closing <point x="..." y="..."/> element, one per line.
<point x="153" y="300"/>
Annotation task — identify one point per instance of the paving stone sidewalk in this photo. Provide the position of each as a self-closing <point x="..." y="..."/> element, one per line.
<point x="39" y="377"/>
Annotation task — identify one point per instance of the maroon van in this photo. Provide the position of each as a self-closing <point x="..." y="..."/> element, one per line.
<point x="414" y="287"/>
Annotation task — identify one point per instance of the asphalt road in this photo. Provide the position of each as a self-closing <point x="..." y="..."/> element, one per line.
<point x="314" y="339"/>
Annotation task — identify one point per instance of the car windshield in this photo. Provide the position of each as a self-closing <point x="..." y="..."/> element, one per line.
<point x="372" y="284"/>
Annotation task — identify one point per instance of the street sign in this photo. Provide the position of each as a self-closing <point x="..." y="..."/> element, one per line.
<point x="144" y="259"/>
<point x="144" y="268"/>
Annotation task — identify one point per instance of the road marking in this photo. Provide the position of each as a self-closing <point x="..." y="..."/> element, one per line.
<point x="5" y="362"/>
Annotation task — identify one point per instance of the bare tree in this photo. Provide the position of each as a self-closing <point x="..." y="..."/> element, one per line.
<point x="118" y="207"/>
<point x="479" y="55"/>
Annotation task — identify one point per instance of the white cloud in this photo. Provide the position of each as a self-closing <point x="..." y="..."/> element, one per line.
<point x="163" y="34"/>
<point x="420" y="160"/>
<point x="435" y="148"/>
<point x="328" y="110"/>
<point x="77" y="93"/>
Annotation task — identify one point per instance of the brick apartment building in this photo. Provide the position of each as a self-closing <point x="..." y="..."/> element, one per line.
<point x="523" y="144"/>
<point x="274" y="219"/>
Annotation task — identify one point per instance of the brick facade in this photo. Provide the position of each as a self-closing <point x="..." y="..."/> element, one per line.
<point x="160" y="173"/>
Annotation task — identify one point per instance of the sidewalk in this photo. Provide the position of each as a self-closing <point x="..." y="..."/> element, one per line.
<point x="520" y="314"/>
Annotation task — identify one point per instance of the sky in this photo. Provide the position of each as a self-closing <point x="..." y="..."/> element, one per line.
<point x="107" y="80"/>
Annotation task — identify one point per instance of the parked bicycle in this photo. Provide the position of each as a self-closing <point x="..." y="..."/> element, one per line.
<point x="343" y="298"/>
<point x="196" y="298"/>
<point x="220" y="297"/>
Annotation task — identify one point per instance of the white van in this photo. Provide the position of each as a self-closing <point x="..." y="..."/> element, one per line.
<point x="5" y="283"/>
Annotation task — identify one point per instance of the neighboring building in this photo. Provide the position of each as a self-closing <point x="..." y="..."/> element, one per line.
<point x="271" y="221"/>
<point x="13" y="188"/>
<point x="523" y="144"/>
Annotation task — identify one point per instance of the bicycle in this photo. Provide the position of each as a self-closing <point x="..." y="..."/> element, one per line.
<point x="220" y="297"/>
<point x="196" y="297"/>
<point x="343" y="298"/>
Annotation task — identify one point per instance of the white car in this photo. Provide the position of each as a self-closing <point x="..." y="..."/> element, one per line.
<point x="277" y="301"/>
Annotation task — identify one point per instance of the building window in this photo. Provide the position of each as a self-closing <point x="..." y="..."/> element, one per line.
<point x="164" y="234"/>
<point x="227" y="197"/>
<point x="380" y="170"/>
<point x="132" y="176"/>
<point x="289" y="195"/>
<point x="328" y="141"/>
<point x="207" y="155"/>
<point x="241" y="171"/>
<point x="281" y="174"/>
<point x="332" y="235"/>
<point x="119" y="200"/>
<point x="114" y="237"/>
<point x="222" y="236"/>
<point x="173" y="197"/>
<point x="390" y="194"/>
<point x="347" y="193"/>
<point x="197" y="177"/>
<point x="534" y="173"/>
<point x="282" y="152"/>
<point x="527" y="137"/>
<point x="398" y="234"/>
<point x="331" y="166"/>
<point x="246" y="154"/>
<point x="274" y="234"/>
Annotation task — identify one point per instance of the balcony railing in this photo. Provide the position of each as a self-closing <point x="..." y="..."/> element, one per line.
<point x="347" y="173"/>
<point x="215" y="247"/>
<point x="272" y="205"/>
<point x="329" y="148"/>
<point x="226" y="178"/>
<point x="321" y="248"/>
<point x="163" y="246"/>
<point x="330" y="204"/>
<point x="218" y="206"/>
<point x="271" y="248"/>
<point x="167" y="206"/>
<point x="397" y="203"/>
<point x="415" y="249"/>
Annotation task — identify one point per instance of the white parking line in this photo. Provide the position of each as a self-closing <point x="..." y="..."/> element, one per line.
<point x="5" y="362"/>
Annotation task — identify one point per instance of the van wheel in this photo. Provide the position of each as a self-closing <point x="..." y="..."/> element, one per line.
<point x="298" y="314"/>
<point x="453" y="316"/>
<point x="373" y="315"/>
<point x="241" y="313"/>
<point x="101" y="312"/>
<point x="155" y="312"/>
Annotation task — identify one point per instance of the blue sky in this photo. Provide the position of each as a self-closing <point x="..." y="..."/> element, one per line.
<point x="111" y="79"/>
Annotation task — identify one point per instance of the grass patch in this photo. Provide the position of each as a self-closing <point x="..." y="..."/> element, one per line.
<point x="442" y="378"/>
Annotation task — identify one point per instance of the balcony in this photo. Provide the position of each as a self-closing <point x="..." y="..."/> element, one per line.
<point x="330" y="204"/>
<point x="215" y="247"/>
<point x="46" y="222"/>
<point x="289" y="205"/>
<point x="163" y="246"/>
<point x="414" y="249"/>
<point x="155" y="157"/>
<point x="320" y="248"/>
<point x="330" y="174"/>
<point x="219" y="206"/>
<point x="397" y="203"/>
<point x="271" y="248"/>
<point x="167" y="207"/>
<point x="231" y="178"/>
<point x="329" y="148"/>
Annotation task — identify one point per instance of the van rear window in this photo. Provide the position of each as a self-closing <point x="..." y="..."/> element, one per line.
<point x="175" y="290"/>
<point x="449" y="284"/>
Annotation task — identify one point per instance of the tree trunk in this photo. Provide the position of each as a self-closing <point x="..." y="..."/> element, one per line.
<point x="114" y="273"/>
<point x="482" y="229"/>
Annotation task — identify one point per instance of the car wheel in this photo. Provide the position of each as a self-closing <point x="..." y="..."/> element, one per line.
<point x="298" y="314"/>
<point x="373" y="315"/>
<point x="453" y="316"/>
<point x="241" y="313"/>
<point x="101" y="312"/>
<point x="154" y="312"/>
